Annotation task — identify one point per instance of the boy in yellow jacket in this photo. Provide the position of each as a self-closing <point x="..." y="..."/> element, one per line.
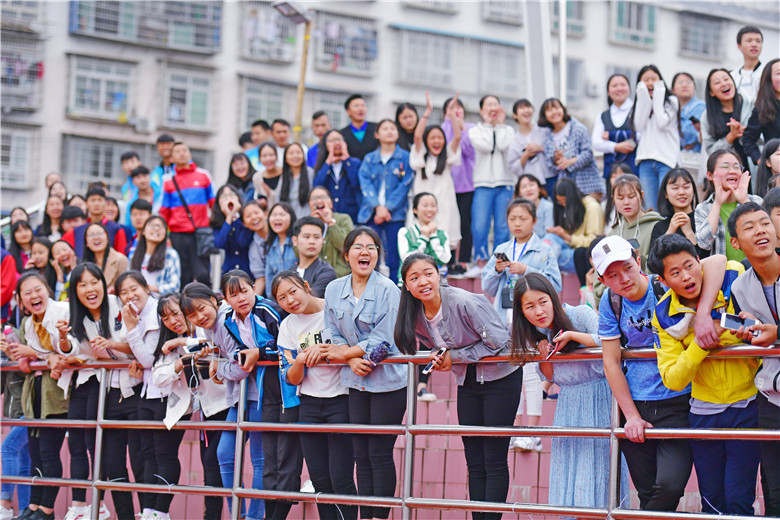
<point x="722" y="391"/>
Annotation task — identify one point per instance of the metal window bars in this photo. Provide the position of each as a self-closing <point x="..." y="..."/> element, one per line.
<point x="409" y="430"/>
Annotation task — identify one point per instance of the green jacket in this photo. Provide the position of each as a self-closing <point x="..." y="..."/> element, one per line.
<point x="334" y="242"/>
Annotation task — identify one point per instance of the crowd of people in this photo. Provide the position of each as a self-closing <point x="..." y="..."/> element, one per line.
<point x="338" y="253"/>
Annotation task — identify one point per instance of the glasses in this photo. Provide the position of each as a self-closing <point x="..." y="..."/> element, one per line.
<point x="334" y="140"/>
<point x="372" y="248"/>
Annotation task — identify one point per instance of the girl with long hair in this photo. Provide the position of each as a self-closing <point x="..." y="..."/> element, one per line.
<point x="20" y="245"/>
<point x="296" y="179"/>
<point x="676" y="202"/>
<point x="578" y="219"/>
<point x="407" y="120"/>
<point x="360" y="311"/>
<point x="230" y="233"/>
<point x="568" y="149"/>
<point x="632" y="221"/>
<point x="267" y="182"/>
<point x="432" y="158"/>
<point x="726" y="117"/>
<point x="324" y="399"/>
<point x="95" y="323"/>
<point x="656" y="115"/>
<point x="240" y="174"/>
<point x="58" y="189"/>
<point x="41" y="396"/>
<point x="97" y="249"/>
<point x="765" y="119"/>
<point x="50" y="228"/>
<point x="579" y="466"/>
<point x="526" y="153"/>
<point x="279" y="251"/>
<point x="169" y="371"/>
<point x="612" y="132"/>
<point x="529" y="187"/>
<point x="768" y="166"/>
<point x="40" y="252"/>
<point x="63" y="260"/>
<point x="468" y="327"/>
<point x="254" y="217"/>
<point x="159" y="264"/>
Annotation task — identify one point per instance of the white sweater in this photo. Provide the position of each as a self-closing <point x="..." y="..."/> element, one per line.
<point x="658" y="123"/>
<point x="490" y="167"/>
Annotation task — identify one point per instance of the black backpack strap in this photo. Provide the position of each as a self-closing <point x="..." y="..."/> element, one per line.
<point x="616" y="302"/>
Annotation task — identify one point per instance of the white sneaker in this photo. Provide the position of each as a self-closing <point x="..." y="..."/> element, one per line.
<point x="528" y="444"/>
<point x="6" y="514"/>
<point x="424" y="395"/>
<point x="77" y="513"/>
<point x="475" y="271"/>
<point x="307" y="487"/>
<point x="103" y="513"/>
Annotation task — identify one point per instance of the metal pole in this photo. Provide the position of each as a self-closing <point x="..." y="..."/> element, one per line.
<point x="238" y="462"/>
<point x="411" y="414"/>
<point x="562" y="55"/>
<point x="96" y="473"/>
<point x="301" y="84"/>
<point x="614" y="459"/>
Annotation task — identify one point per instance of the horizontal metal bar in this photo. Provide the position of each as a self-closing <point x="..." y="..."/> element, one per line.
<point x="159" y="425"/>
<point x="322" y="428"/>
<point x="46" y="481"/>
<point x="320" y="498"/>
<point x="630" y="514"/>
<point x="579" y="355"/>
<point x="501" y="507"/>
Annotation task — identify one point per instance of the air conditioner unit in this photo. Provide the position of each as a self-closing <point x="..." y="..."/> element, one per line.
<point x="592" y="89"/>
<point x="144" y="126"/>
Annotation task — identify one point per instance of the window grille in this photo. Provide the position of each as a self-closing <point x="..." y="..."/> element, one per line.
<point x="267" y="35"/>
<point x="22" y="65"/>
<point x="701" y="36"/>
<point x="345" y="44"/>
<point x="100" y="88"/>
<point x="633" y="23"/>
<point x="187" y="98"/>
<point x="503" y="11"/>
<point x="575" y="17"/>
<point x="18" y="158"/>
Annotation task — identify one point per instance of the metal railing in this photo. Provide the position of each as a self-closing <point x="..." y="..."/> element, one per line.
<point x="409" y="430"/>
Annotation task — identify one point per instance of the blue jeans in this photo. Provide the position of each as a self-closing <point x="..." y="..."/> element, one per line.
<point x="226" y="453"/>
<point x="16" y="462"/>
<point x="727" y="470"/>
<point x="489" y="203"/>
<point x="549" y="186"/>
<point x="388" y="234"/>
<point x="651" y="173"/>
<point x="562" y="251"/>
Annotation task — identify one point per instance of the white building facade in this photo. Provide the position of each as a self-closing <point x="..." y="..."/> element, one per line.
<point x="84" y="81"/>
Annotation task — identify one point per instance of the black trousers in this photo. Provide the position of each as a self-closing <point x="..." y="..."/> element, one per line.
<point x="769" y="418"/>
<point x="329" y="456"/>
<point x="211" y="476"/>
<point x="281" y="451"/>
<point x="44" y="445"/>
<point x="116" y="445"/>
<point x="493" y="403"/>
<point x="193" y="267"/>
<point x="374" y="453"/>
<point x="83" y="404"/>
<point x="163" y="446"/>
<point x="660" y="468"/>
<point x="466" y="241"/>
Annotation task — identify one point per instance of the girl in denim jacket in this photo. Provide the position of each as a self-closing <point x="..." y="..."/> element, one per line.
<point x="385" y="179"/>
<point x="438" y="316"/>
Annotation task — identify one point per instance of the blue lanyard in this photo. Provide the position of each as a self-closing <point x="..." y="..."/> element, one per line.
<point x="514" y="244"/>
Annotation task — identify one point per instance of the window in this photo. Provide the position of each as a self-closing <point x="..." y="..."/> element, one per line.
<point x="434" y="5"/>
<point x="427" y="59"/>
<point x="267" y="36"/>
<point x="18" y="161"/>
<point x="502" y="69"/>
<point x="701" y="36"/>
<point x="332" y="103"/>
<point x="629" y="72"/>
<point x="633" y="23"/>
<point x="503" y="11"/>
<point x="100" y="88"/>
<point x="192" y="26"/>
<point x="575" y="80"/>
<point x="86" y="160"/>
<point x="20" y="12"/>
<point x="22" y="70"/>
<point x="346" y="44"/>
<point x="266" y="100"/>
<point x="187" y="98"/>
<point x="575" y="17"/>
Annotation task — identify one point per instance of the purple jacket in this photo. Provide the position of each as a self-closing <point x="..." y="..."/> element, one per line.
<point x="462" y="174"/>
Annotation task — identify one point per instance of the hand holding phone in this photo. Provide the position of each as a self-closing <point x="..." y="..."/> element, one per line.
<point x="501" y="257"/>
<point x="430" y="366"/>
<point x="555" y="345"/>
<point x="734" y="322"/>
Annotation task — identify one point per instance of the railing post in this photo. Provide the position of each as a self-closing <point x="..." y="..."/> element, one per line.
<point x="238" y="462"/>
<point x="96" y="473"/>
<point x="614" y="459"/>
<point x="411" y="414"/>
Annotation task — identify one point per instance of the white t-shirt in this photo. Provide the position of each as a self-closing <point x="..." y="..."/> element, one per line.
<point x="297" y="332"/>
<point x="151" y="277"/>
<point x="434" y="322"/>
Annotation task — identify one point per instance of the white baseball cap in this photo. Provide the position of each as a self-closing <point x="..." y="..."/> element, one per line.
<point x="609" y="250"/>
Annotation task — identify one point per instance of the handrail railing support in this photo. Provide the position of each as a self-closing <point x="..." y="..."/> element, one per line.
<point x="411" y="414"/>
<point x="614" y="459"/>
<point x="238" y="462"/>
<point x="96" y="466"/>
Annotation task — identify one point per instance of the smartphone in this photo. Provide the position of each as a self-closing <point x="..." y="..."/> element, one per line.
<point x="734" y="322"/>
<point x="134" y="307"/>
<point x="554" y="345"/>
<point x="429" y="367"/>
<point x="501" y="257"/>
<point x="694" y="120"/>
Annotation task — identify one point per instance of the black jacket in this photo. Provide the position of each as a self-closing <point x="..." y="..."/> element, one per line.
<point x="357" y="148"/>
<point x="319" y="275"/>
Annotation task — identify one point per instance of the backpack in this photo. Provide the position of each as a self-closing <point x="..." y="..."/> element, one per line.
<point x="616" y="302"/>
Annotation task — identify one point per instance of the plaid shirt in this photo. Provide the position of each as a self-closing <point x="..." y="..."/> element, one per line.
<point x="714" y="243"/>
<point x="578" y="144"/>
